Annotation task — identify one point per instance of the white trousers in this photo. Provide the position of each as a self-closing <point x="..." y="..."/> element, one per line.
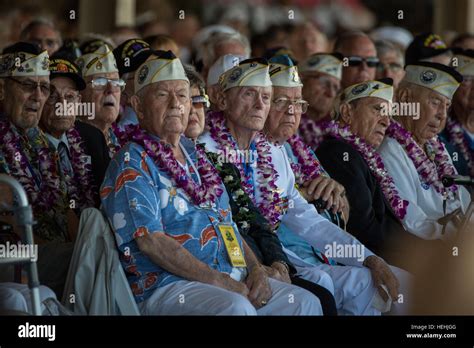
<point x="17" y="297"/>
<point x="196" y="298"/>
<point x="354" y="290"/>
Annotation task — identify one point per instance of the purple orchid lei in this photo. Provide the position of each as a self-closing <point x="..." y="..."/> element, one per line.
<point x="211" y="184"/>
<point x="456" y="134"/>
<point x="43" y="198"/>
<point x="308" y="166"/>
<point x="376" y="165"/>
<point x="429" y="171"/>
<point x="312" y="132"/>
<point x="80" y="187"/>
<point x="271" y="200"/>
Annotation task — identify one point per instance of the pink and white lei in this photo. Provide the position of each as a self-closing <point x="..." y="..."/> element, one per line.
<point x="271" y="202"/>
<point x="376" y="165"/>
<point x="456" y="136"/>
<point x="312" y="132"/>
<point x="308" y="166"/>
<point x="429" y="171"/>
<point x="160" y="152"/>
<point x="44" y="197"/>
<point x="80" y="186"/>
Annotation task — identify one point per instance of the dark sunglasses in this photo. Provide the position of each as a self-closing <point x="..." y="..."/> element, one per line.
<point x="372" y="62"/>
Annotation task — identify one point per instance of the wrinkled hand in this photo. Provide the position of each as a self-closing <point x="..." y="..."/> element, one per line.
<point x="329" y="190"/>
<point x="382" y="274"/>
<point x="278" y="271"/>
<point x="259" y="288"/>
<point x="223" y="280"/>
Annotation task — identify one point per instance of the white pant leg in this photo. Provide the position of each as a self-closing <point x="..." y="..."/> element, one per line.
<point x="317" y="276"/>
<point x="11" y="299"/>
<point x="195" y="298"/>
<point x="354" y="289"/>
<point x="22" y="293"/>
<point x="406" y="280"/>
<point x="290" y="299"/>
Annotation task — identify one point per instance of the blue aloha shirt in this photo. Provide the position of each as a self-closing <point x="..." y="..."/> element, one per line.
<point x="140" y="198"/>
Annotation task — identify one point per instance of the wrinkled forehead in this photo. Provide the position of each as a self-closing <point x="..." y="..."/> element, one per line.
<point x="110" y="75"/>
<point x="286" y="91"/>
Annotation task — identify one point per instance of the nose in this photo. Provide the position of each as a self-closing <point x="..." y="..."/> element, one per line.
<point x="173" y="100"/>
<point x="259" y="104"/>
<point x="385" y="121"/>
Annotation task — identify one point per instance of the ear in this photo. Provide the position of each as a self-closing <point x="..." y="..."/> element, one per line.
<point x="221" y="101"/>
<point x="137" y="106"/>
<point x="404" y="95"/>
<point x="346" y="113"/>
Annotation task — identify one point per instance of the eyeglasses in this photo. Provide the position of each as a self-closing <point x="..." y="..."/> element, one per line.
<point x="200" y="101"/>
<point x="393" y="67"/>
<point x="68" y="96"/>
<point x="371" y="62"/>
<point x="29" y="86"/>
<point x="101" y="83"/>
<point x="282" y="104"/>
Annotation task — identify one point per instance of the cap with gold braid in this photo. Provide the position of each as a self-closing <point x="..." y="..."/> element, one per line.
<point x="382" y="89"/>
<point x="327" y="63"/>
<point x="437" y="77"/>
<point x="463" y="61"/>
<point x="283" y="72"/>
<point x="161" y="66"/>
<point x="98" y="62"/>
<point x="250" y="72"/>
<point x="24" y="59"/>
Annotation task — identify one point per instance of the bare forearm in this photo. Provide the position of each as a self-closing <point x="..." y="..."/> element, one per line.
<point x="250" y="257"/>
<point x="173" y="257"/>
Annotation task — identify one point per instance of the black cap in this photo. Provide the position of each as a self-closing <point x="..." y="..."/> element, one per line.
<point x="61" y="66"/>
<point x="93" y="45"/>
<point x="26" y="47"/>
<point x="70" y="50"/>
<point x="136" y="50"/>
<point x="425" y="46"/>
<point x="462" y="52"/>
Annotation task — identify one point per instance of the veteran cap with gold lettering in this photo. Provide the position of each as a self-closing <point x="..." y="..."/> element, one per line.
<point x="326" y="63"/>
<point x="101" y="61"/>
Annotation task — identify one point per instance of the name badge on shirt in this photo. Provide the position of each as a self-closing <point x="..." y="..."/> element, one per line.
<point x="232" y="246"/>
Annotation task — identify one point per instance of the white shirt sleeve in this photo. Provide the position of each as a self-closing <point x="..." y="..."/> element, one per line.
<point x="304" y="220"/>
<point x="425" y="206"/>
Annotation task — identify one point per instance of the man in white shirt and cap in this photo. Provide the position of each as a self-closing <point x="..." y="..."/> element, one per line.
<point x="103" y="89"/>
<point x="267" y="177"/>
<point x="321" y="77"/>
<point x="415" y="157"/>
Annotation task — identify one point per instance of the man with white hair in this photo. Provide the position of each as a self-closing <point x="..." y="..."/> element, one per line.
<point x="180" y="249"/>
<point x="391" y="62"/>
<point x="417" y="160"/>
<point x="221" y="44"/>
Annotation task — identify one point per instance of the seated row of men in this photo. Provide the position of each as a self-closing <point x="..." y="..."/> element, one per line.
<point x="232" y="209"/>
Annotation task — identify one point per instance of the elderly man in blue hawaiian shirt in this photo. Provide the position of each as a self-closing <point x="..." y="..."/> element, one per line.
<point x="180" y="249"/>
